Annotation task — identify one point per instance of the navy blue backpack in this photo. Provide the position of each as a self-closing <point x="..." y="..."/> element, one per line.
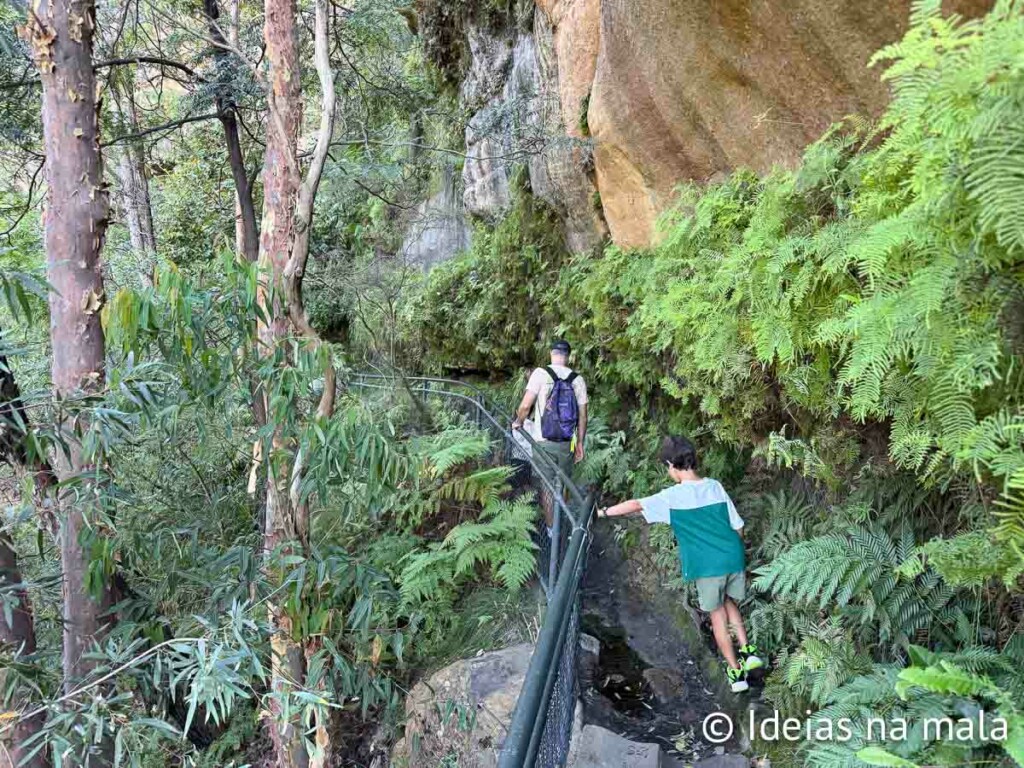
<point x="561" y="411"/>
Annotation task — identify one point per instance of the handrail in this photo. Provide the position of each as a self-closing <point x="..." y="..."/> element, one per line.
<point x="527" y="726"/>
<point x="541" y="725"/>
<point x="487" y="408"/>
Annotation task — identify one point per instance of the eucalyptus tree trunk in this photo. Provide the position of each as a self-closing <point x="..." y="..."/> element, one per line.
<point x="135" y="197"/>
<point x="284" y="250"/>
<point x="281" y="180"/>
<point x="75" y="220"/>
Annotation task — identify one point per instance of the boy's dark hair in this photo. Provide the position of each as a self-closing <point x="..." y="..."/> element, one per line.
<point x="679" y="452"/>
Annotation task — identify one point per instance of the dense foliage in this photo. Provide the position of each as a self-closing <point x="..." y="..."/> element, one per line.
<point x="853" y="324"/>
<point x="416" y="537"/>
<point x="842" y="339"/>
<point x="418" y="552"/>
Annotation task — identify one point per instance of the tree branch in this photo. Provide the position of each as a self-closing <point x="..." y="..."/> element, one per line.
<point x="158" y="60"/>
<point x="296" y="267"/>
<point x="156" y="129"/>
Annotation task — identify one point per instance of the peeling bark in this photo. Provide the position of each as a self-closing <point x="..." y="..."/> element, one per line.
<point x="280" y="188"/>
<point x="60" y="34"/>
<point x="284" y="250"/>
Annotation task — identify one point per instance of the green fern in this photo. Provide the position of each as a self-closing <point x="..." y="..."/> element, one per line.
<point x="500" y="543"/>
<point x="483" y="487"/>
<point x="451" y="448"/>
<point x="857" y="573"/>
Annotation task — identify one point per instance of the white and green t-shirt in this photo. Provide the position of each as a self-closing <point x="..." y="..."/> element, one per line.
<point x="705" y="523"/>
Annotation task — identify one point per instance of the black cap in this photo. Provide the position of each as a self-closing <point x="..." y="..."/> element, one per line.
<point x="561" y="345"/>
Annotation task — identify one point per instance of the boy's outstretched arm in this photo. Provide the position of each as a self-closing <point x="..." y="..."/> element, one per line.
<point x="625" y="509"/>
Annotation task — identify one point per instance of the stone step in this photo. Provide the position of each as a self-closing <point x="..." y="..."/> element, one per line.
<point x="717" y="761"/>
<point x="598" y="747"/>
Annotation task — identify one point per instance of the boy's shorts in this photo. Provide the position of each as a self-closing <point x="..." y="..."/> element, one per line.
<point x="712" y="591"/>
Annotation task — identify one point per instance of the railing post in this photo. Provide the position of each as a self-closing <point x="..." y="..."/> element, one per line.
<point x="520" y="742"/>
<point x="555" y="547"/>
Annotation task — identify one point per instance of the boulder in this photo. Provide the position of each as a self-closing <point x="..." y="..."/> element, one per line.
<point x="462" y="712"/>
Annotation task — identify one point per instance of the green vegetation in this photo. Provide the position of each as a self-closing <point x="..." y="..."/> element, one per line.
<point x="842" y="339"/>
<point x="415" y="542"/>
<point x="410" y="550"/>
<point x="486" y="310"/>
<point x="583" y="122"/>
<point x="847" y="333"/>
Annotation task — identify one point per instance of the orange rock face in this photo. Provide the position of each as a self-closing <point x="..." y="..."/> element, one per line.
<point x="679" y="90"/>
<point x="577" y="25"/>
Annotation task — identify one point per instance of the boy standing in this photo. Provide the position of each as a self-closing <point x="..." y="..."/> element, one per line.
<point x="707" y="529"/>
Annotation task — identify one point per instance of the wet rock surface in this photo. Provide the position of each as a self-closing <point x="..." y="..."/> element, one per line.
<point x="647" y="684"/>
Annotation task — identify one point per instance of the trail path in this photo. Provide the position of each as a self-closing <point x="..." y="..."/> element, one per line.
<point x="648" y="682"/>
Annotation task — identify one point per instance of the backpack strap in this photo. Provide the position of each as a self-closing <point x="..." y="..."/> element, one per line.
<point x="568" y="379"/>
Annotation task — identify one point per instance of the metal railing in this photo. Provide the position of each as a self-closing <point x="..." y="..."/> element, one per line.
<point x="542" y="722"/>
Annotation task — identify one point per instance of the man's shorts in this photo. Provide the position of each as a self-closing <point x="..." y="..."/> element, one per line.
<point x="712" y="591"/>
<point x="559" y="453"/>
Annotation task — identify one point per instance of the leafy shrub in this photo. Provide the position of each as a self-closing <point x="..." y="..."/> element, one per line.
<point x="489" y="309"/>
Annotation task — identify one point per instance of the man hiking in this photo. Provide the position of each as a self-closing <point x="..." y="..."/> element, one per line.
<point x="557" y="397"/>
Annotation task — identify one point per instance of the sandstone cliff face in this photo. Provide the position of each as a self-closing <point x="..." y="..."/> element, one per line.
<point x="439" y="227"/>
<point x="512" y="90"/>
<point x="679" y="90"/>
<point x="611" y="105"/>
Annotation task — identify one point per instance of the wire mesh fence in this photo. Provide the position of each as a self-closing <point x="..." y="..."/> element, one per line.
<point x="542" y="723"/>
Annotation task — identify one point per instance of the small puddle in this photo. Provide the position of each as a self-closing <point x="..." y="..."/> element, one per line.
<point x="619" y="675"/>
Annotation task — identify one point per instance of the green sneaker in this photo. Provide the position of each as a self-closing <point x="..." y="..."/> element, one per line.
<point x="737" y="679"/>
<point x="751" y="660"/>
